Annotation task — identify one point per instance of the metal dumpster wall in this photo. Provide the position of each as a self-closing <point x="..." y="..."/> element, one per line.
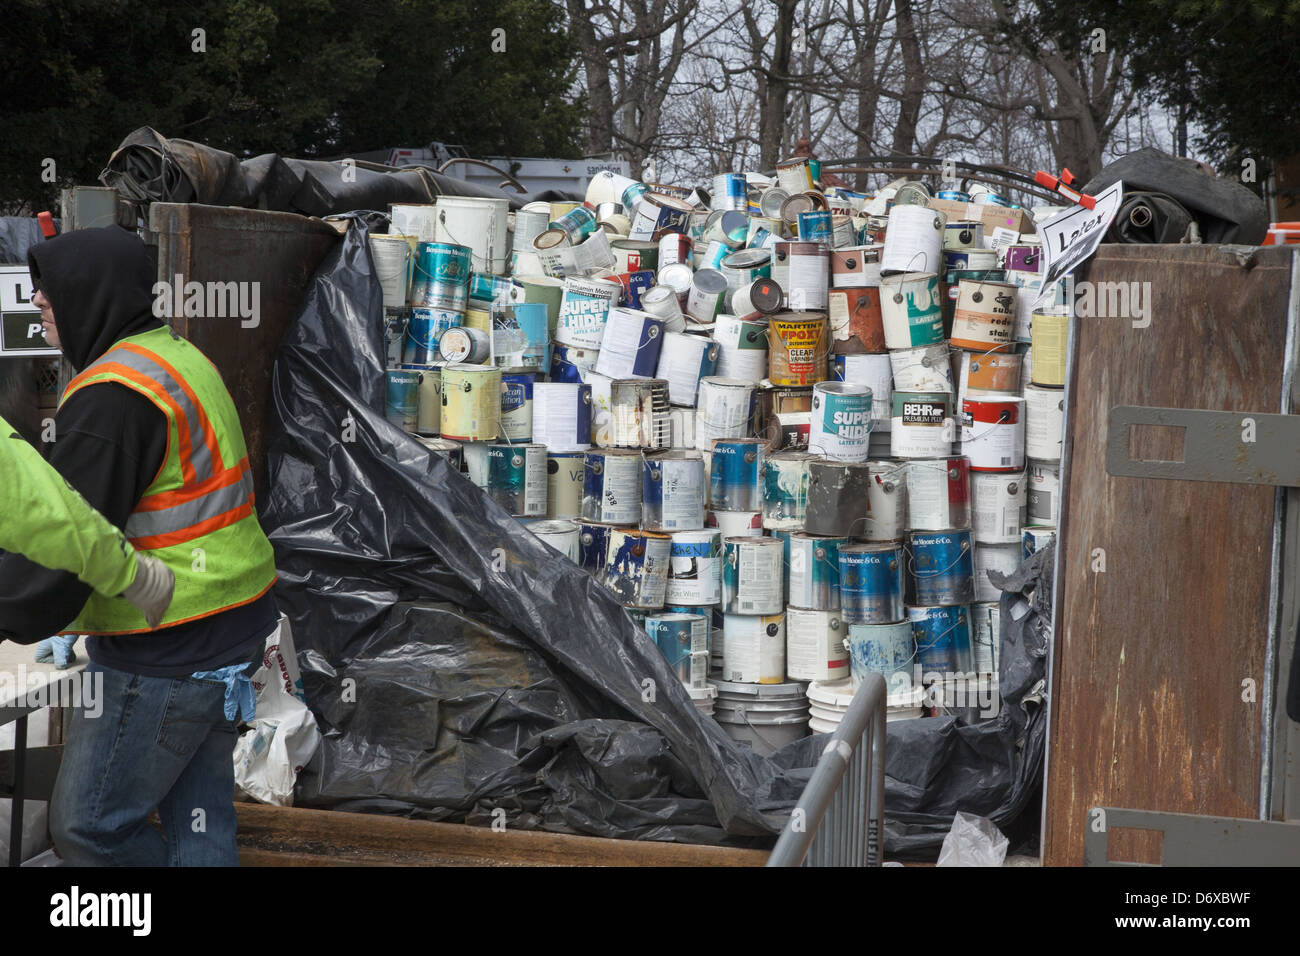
<point x="278" y="251"/>
<point x="1151" y="654"/>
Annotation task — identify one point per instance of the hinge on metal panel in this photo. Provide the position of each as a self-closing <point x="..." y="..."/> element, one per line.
<point x="1240" y="447"/>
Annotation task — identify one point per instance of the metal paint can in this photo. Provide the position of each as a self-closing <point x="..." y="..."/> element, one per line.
<point x="1044" y="422"/>
<point x="429" y="401"/>
<point x="841" y="421"/>
<point x="635" y="285"/>
<point x="517" y="478"/>
<point x="744" y="268"/>
<point x="914" y="240"/>
<point x="814" y="645"/>
<point x="1025" y="257"/>
<point x="520" y="338"/>
<point x="885" y="649"/>
<point x="799" y="345"/>
<point x="638" y="415"/>
<point x="517" y="405"/>
<point x="631" y="344"/>
<point x="802" y="269"/>
<point x="593" y="547"/>
<point x="871" y="583"/>
<point x="471" y="403"/>
<point x="637" y="568"/>
<point x="856" y="267"/>
<point x="1000" y="506"/>
<point x="561" y="535"/>
<point x="794" y="175"/>
<point x="1035" y="538"/>
<point x="657" y="214"/>
<point x="684" y="360"/>
<point x="955" y="195"/>
<point x="465" y="346"/>
<point x="730" y="191"/>
<point x="448" y="449"/>
<point x="785" y="489"/>
<point x="963" y="234"/>
<point x="742" y="348"/>
<point x="565" y="472"/>
<point x="710" y="259"/>
<point x="674" y="247"/>
<point x="971" y="260"/>
<point x="1048" y="335"/>
<point x="873" y="371"/>
<point x="611" y="489"/>
<point x="856" y="321"/>
<point x="993" y="433"/>
<point x="568" y="363"/>
<point x="441" y="277"/>
<point x="635" y="255"/>
<point x="704" y="300"/>
<point x="922" y="426"/>
<point x="424" y="331"/>
<point x="942" y="566"/>
<point x="734" y="474"/>
<point x="887" y="503"/>
<point x="985" y="320"/>
<point x="681" y="431"/>
<point x="986" y="637"/>
<point x="681" y="637"/>
<point x="661" y="300"/>
<point x="391" y="255"/>
<point x="672" y="491"/>
<point x="395" y="322"/>
<point x="939" y="493"/>
<point x="816" y="226"/>
<point x="754" y="648"/>
<point x="942" y="636"/>
<point x="609" y="186"/>
<point x="402" y="398"/>
<point x="910" y="310"/>
<point x="992" y="372"/>
<point x="724" y="408"/>
<point x="735" y="524"/>
<point x="925" y="369"/>
<point x="844" y="233"/>
<point x="753" y="575"/>
<point x="1003" y="558"/>
<point x="561" y="415"/>
<point x="726" y="226"/>
<point x="575" y="225"/>
<point x="1043" y="497"/>
<point x="695" y="576"/>
<point x="486" y="290"/>
<point x="813" y="580"/>
<point x="476" y="462"/>
<point x="763" y="296"/>
<point x="584" y="309"/>
<point x="780" y="401"/>
<point x="837" y="498"/>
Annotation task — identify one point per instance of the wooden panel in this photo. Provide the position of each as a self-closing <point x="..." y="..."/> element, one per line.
<point x="1147" y="709"/>
<point x="285" y="836"/>
<point x="277" y="250"/>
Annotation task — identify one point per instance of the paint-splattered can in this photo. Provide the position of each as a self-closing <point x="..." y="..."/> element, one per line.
<point x="568" y="363"/>
<point x="837" y="498"/>
<point x="695" y="577"/>
<point x="1003" y="558"/>
<point x="561" y="535"/>
<point x="517" y="478"/>
<point x="520" y="338"/>
<point x="1043" y="496"/>
<point x="985" y="319"/>
<point x="734" y="474"/>
<point x="734" y="524"/>
<point x="584" y="309"/>
<point x="871" y="583"/>
<point x="684" y="641"/>
<point x="813" y="580"/>
<point x="856" y="267"/>
<point x="476" y="462"/>
<point x="938" y="493"/>
<point x="561" y="415"/>
<point x="799" y="346"/>
<point x="672" y="491"/>
<point x="814" y="645"/>
<point x="723" y="410"/>
<point x="942" y="566"/>
<point x="924" y="369"/>
<point x="441" y="277"/>
<point x="922" y="425"/>
<point x="1000" y="505"/>
<point x="785" y="489"/>
<point x="637" y="567"/>
<point x="885" y="649"/>
<point x="471" y="403"/>
<point x="466" y="346"/>
<point x="753" y="575"/>
<point x="887" y="501"/>
<point x="611" y="492"/>
<point x="593" y="546"/>
<point x="638" y="415"/>
<point x="401" y="404"/>
<point x="993" y="433"/>
<point x="517" y="405"/>
<point x="986" y="637"/>
<point x="753" y="649"/>
<point x="911" y="310"/>
<point x="564" y="480"/>
<point x="841" y="421"/>
<point x="942" y="637"/>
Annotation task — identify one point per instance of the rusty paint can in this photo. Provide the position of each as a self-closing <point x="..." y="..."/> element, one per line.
<point x="992" y="372"/>
<point x="857" y="325"/>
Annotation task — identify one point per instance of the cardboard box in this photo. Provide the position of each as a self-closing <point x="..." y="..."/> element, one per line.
<point x="992" y="216"/>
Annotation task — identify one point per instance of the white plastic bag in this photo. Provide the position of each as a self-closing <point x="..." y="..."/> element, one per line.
<point x="973" y="841"/>
<point x="284" y="734"/>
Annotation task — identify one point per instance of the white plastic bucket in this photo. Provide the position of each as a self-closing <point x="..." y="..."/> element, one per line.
<point x="480" y="223"/>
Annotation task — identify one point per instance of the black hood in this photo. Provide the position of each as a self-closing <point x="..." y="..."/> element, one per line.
<point x="100" y="286"/>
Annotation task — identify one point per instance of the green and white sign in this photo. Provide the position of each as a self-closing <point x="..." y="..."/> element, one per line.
<point x="20" y="320"/>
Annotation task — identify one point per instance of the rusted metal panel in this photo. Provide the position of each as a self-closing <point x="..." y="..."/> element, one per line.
<point x="1151" y="654"/>
<point x="277" y="251"/>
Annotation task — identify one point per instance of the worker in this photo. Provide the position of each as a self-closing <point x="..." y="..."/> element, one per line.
<point x="46" y="520"/>
<point x="148" y="434"/>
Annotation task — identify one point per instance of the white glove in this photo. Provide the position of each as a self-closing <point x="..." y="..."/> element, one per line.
<point x="151" y="591"/>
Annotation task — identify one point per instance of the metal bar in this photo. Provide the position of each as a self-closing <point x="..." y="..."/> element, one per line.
<point x="18" y="790"/>
<point x="1194" y="840"/>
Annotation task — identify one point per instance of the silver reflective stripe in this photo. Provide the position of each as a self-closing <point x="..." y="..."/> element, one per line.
<point x="200" y="457"/>
<point x="146" y="524"/>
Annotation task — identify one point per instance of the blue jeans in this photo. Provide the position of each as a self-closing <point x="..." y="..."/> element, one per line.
<point x="159" y="742"/>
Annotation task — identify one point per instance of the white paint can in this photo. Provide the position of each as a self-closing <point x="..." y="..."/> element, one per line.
<point x="1044" y="422"/>
<point x="938" y="494"/>
<point x="1004" y="558"/>
<point x="735" y="524"/>
<point x="611" y="491"/>
<point x="414" y="219"/>
<point x="986" y="636"/>
<point x="630" y="344"/>
<point x="886" y="501"/>
<point x="924" y="369"/>
<point x="1044" y="494"/>
<point x="876" y="372"/>
<point x="561" y="415"/>
<point x="993" y="433"/>
<point x="923" y="425"/>
<point x="910" y="310"/>
<point x="695" y="569"/>
<point x="753" y="648"/>
<point x="999" y="506"/>
<point x="684" y="360"/>
<point x="742" y="348"/>
<point x="560" y="534"/>
<point x="584" y="309"/>
<point x="479" y="223"/>
<point x="840" y="422"/>
<point x="814" y="645"/>
<point x="638" y="414"/>
<point x="913" y="240"/>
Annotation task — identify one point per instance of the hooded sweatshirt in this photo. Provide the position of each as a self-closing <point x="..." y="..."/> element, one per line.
<point x="109" y="444"/>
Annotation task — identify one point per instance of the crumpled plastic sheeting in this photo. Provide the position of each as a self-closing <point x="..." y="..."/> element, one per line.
<point x="17" y="235"/>
<point x="458" y="667"/>
<point x="149" y="167"/>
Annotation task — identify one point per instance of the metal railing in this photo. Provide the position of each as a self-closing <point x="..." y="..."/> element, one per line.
<point x="840" y="818"/>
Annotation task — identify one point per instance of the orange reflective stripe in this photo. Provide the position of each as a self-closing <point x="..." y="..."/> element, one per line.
<point x="154" y="542"/>
<point x="168" y="499"/>
<point x="209" y="435"/>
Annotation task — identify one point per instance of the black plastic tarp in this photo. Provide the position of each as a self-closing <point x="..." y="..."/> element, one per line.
<point x="149" y="167"/>
<point x="462" y="670"/>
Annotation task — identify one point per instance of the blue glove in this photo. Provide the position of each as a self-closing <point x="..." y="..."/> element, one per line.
<point x="239" y="690"/>
<point x="57" y="651"/>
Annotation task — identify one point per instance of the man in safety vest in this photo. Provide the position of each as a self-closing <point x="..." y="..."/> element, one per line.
<point x="148" y="434"/>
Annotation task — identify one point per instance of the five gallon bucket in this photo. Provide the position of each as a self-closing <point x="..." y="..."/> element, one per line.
<point x="765" y="717"/>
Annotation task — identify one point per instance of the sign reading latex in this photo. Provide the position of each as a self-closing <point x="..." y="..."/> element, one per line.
<point x="20" y="320"/>
<point x="1073" y="236"/>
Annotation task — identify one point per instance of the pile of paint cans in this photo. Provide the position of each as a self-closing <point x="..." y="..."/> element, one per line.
<point x="788" y="428"/>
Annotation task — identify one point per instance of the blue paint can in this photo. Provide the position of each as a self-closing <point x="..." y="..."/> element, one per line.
<point x="785" y="490"/>
<point x="517" y="478"/>
<point x="402" y="400"/>
<point x="955" y="195"/>
<point x="733" y="475"/>
<point x="424" y="330"/>
<point x="816" y="226"/>
<point x="441" y="278"/>
<point x="942" y="637"/>
<point x="520" y="336"/>
<point x="517" y="405"/>
<point x="611" y="487"/>
<point x="568" y="363"/>
<point x="695" y="577"/>
<point x="487" y="289"/>
<point x="813" y="566"/>
<point x="672" y="491"/>
<point x="885" y="649"/>
<point x="637" y="567"/>
<point x="635" y="284"/>
<point x="871" y="583"/>
<point x="942" y="567"/>
<point x="593" y="546"/>
<point x="684" y="641"/>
